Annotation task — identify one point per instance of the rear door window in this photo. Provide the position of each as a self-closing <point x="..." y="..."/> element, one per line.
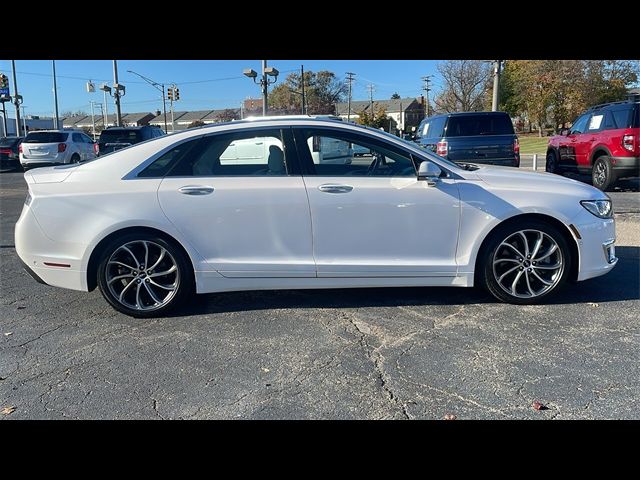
<point x="46" y="137"/>
<point x="437" y="127"/>
<point x="623" y="116"/>
<point x="472" y="125"/>
<point x="77" y="138"/>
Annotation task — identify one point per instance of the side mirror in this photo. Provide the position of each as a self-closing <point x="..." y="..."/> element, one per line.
<point x="564" y="132"/>
<point x="430" y="172"/>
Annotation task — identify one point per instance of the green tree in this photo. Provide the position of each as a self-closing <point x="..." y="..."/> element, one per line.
<point x="322" y="91"/>
<point x="377" y="119"/>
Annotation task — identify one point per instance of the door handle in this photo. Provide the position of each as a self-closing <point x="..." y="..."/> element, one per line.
<point x="331" y="188"/>
<point x="196" y="190"/>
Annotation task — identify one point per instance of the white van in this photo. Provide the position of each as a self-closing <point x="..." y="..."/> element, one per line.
<point x="250" y="151"/>
<point x="330" y="150"/>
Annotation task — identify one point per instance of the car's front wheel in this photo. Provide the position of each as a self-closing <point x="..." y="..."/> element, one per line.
<point x="525" y="262"/>
<point x="144" y="275"/>
<point x="552" y="163"/>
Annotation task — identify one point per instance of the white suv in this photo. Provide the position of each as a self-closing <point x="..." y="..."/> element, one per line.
<point x="50" y="147"/>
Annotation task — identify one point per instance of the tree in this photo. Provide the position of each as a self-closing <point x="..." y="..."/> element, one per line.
<point x="377" y="119"/>
<point x="196" y="123"/>
<point x="73" y="113"/>
<point x="465" y="85"/>
<point x="395" y="96"/>
<point x="227" y="115"/>
<point x="322" y="91"/>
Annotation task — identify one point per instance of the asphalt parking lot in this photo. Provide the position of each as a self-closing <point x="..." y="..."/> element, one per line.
<point x="327" y="354"/>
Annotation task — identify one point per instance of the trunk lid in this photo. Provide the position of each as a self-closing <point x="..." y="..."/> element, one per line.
<point x="55" y="174"/>
<point x="481" y="148"/>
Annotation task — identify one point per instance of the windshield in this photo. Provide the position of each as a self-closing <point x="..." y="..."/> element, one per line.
<point x="422" y="149"/>
<point x="46" y="137"/>
<point x="120" y="136"/>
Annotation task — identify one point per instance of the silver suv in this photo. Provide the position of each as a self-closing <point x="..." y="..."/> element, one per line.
<point x="52" y="147"/>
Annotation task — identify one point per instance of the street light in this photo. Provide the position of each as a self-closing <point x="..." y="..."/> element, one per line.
<point x="264" y="81"/>
<point x="160" y="88"/>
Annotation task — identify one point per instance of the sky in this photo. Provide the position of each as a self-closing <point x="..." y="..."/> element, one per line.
<point x="203" y="84"/>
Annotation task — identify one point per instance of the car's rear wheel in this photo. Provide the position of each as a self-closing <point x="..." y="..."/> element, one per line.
<point x="75" y="158"/>
<point x="552" y="163"/>
<point x="525" y="262"/>
<point x="603" y="176"/>
<point x="144" y="275"/>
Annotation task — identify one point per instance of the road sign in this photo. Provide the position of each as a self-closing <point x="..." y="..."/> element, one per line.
<point x="4" y="92"/>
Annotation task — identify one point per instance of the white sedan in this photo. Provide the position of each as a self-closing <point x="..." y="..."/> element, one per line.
<point x="153" y="223"/>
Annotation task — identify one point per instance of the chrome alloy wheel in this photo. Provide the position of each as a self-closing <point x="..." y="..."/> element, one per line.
<point x="142" y="275"/>
<point x="600" y="174"/>
<point x="528" y="263"/>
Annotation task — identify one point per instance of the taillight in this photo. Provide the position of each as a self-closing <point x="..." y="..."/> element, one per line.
<point x="96" y="148"/>
<point x="628" y="142"/>
<point x="443" y="148"/>
<point x="20" y="148"/>
<point x="516" y="147"/>
<point x="5" y="151"/>
<point x="62" y="147"/>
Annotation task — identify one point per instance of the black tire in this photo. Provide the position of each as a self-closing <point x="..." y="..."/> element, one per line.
<point x="75" y="158"/>
<point x="182" y="278"/>
<point x="552" y="164"/>
<point x="487" y="273"/>
<point x="603" y="177"/>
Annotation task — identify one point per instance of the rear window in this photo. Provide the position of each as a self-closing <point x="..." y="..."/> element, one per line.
<point x="120" y="136"/>
<point x="46" y="137"/>
<point x="469" y="125"/>
<point x="623" y="117"/>
<point x="8" y="142"/>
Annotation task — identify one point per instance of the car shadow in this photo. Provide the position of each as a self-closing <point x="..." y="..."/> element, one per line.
<point x="623" y="185"/>
<point x="622" y="283"/>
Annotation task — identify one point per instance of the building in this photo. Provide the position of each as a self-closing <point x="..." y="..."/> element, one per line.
<point x="30" y="122"/>
<point x="190" y="117"/>
<point x="224" y="115"/>
<point x="158" y="121"/>
<point x="404" y="113"/>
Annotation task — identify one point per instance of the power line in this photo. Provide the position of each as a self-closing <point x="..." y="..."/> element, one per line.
<point x="371" y="87"/>
<point x="427" y="80"/>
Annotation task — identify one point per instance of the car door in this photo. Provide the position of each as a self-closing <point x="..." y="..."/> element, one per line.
<point x="571" y="144"/>
<point x="247" y="218"/>
<point x="88" y="145"/>
<point x="589" y="138"/>
<point x="371" y="217"/>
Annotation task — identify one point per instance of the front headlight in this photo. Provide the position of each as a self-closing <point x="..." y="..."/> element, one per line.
<point x="600" y="208"/>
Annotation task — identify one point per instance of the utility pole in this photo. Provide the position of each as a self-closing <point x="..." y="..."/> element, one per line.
<point x="265" y="88"/>
<point x="496" y="85"/>
<point x="24" y="121"/>
<point x="93" y="120"/>
<point x="427" y="80"/>
<point x="116" y="93"/>
<point x="350" y="79"/>
<point x="302" y="82"/>
<point x="371" y="87"/>
<point x="17" y="99"/>
<point x="55" y="96"/>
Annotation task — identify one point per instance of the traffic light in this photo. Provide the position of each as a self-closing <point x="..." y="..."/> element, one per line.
<point x="176" y="92"/>
<point x="4" y="81"/>
<point x="170" y="93"/>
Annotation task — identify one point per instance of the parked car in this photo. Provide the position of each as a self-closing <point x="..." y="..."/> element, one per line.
<point x="603" y="142"/>
<point x="9" y="153"/>
<point x="115" y="138"/>
<point x="206" y="223"/>
<point x="51" y="147"/>
<point x="473" y="137"/>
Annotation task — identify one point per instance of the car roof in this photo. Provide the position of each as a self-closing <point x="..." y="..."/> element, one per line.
<point x="635" y="99"/>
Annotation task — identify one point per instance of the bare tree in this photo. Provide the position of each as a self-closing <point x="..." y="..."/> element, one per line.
<point x="465" y="85"/>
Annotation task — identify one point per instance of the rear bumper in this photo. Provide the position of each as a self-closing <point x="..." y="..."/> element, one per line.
<point x="44" y="258"/>
<point x="501" y="162"/>
<point x="7" y="163"/>
<point x="626" y="166"/>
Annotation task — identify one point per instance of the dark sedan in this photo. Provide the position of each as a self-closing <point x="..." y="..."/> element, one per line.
<point x="9" y="154"/>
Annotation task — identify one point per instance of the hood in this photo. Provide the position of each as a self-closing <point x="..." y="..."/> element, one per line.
<point x="49" y="174"/>
<point x="516" y="178"/>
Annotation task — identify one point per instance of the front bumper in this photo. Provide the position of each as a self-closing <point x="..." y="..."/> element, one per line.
<point x="596" y="245"/>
